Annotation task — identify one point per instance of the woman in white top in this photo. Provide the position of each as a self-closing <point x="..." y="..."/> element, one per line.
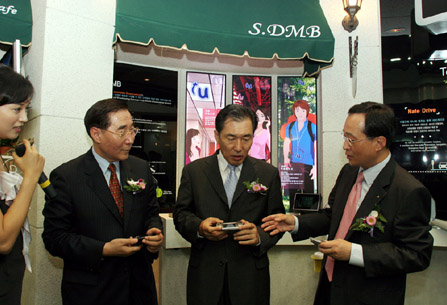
<point x="15" y="97"/>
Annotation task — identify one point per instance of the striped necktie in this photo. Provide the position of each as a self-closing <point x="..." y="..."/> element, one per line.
<point x="115" y="189"/>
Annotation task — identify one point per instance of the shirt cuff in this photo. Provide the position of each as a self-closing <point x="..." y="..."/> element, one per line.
<point x="356" y="257"/>
<point x="295" y="228"/>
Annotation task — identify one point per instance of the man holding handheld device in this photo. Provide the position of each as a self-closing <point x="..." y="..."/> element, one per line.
<point x="315" y="241"/>
<point x="230" y="226"/>
<point x="377" y="219"/>
<point x="221" y="216"/>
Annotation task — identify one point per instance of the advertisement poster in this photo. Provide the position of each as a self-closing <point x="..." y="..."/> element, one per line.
<point x="205" y="97"/>
<point x="255" y="92"/>
<point x="420" y="146"/>
<point x="151" y="95"/>
<point x="297" y="138"/>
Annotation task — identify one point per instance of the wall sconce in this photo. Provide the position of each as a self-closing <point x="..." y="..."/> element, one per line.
<point x="350" y="22"/>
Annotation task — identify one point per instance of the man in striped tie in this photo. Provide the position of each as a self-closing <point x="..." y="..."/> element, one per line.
<point x="93" y="221"/>
<point x="377" y="219"/>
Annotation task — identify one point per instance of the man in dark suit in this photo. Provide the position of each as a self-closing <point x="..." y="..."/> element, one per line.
<point x="387" y="234"/>
<point x="94" y="219"/>
<point x="227" y="267"/>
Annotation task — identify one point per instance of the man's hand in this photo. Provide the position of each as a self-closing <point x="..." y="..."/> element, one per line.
<point x="248" y="235"/>
<point x="277" y="223"/>
<point x="120" y="247"/>
<point x="338" y="249"/>
<point x="153" y="240"/>
<point x="209" y="230"/>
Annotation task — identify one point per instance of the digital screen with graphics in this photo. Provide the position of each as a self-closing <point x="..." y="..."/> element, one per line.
<point x="152" y="98"/>
<point x="306" y="202"/>
<point x="205" y="97"/>
<point x="297" y="137"/>
<point x="420" y="145"/>
<point x="255" y="92"/>
<point x="145" y="84"/>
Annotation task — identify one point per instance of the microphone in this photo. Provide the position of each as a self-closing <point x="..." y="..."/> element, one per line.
<point x="43" y="181"/>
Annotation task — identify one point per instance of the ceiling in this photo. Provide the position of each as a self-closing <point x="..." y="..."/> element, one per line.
<point x="406" y="44"/>
<point x="396" y="15"/>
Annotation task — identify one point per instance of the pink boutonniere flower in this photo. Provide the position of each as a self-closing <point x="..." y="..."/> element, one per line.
<point x="135" y="186"/>
<point x="370" y="222"/>
<point x="255" y="187"/>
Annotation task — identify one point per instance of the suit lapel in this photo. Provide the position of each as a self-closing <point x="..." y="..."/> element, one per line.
<point x="212" y="172"/>
<point x="98" y="185"/>
<point x="126" y="173"/>
<point x="247" y="174"/>
<point x="376" y="192"/>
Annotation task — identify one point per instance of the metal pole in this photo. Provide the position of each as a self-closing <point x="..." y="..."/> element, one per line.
<point x="17" y="56"/>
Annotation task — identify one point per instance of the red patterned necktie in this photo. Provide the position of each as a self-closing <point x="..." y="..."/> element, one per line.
<point x="115" y="189"/>
<point x="346" y="220"/>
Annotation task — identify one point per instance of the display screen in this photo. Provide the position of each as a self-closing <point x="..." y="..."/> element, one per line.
<point x="297" y="137"/>
<point x="255" y="92"/>
<point x="306" y="202"/>
<point x="145" y="84"/>
<point x="152" y="98"/>
<point x="205" y="97"/>
<point x="420" y="146"/>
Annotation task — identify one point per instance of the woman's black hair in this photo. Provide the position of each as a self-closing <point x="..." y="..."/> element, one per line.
<point x="14" y="88"/>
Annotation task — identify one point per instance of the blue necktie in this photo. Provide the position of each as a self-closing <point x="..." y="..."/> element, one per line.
<point x="230" y="184"/>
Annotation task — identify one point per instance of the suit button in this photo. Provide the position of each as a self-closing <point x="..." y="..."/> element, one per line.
<point x="222" y="263"/>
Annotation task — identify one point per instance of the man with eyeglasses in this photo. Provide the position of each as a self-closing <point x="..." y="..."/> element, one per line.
<point x="377" y="219"/>
<point x="99" y="210"/>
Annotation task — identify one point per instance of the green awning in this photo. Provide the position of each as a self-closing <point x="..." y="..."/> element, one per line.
<point x="287" y="29"/>
<point x="16" y="21"/>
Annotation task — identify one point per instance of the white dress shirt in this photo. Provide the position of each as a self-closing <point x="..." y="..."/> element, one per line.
<point x="370" y="175"/>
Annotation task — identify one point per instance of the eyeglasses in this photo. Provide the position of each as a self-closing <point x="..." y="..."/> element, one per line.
<point x="124" y="133"/>
<point x="351" y="141"/>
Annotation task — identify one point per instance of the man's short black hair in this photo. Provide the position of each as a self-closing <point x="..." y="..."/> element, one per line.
<point x="98" y="114"/>
<point x="379" y="120"/>
<point x="237" y="113"/>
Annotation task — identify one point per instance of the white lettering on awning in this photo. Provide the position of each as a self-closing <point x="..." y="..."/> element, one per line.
<point x="312" y="31"/>
<point x="8" y="9"/>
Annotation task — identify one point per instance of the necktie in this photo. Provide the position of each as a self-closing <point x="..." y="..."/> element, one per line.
<point x="230" y="184"/>
<point x="346" y="220"/>
<point x="115" y="189"/>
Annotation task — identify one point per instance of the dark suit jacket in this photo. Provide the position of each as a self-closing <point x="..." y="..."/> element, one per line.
<point x="202" y="195"/>
<point x="83" y="217"/>
<point x="404" y="247"/>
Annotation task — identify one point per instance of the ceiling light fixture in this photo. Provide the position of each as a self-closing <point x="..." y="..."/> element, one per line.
<point x="439" y="55"/>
